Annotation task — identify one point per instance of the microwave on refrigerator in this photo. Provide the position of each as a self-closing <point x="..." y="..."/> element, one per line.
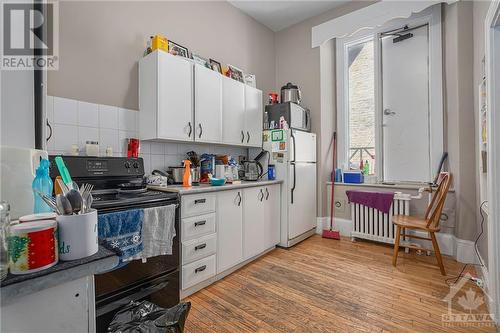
<point x="296" y="116"/>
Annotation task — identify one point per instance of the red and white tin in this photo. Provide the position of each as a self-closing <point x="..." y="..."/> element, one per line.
<point x="32" y="246"/>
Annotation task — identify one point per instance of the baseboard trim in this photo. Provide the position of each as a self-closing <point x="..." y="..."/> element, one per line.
<point x="483" y="274"/>
<point x="460" y="249"/>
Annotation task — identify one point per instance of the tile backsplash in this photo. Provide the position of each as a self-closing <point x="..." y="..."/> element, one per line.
<point x="75" y="122"/>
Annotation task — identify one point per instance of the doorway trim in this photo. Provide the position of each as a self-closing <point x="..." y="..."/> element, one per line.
<point x="492" y="53"/>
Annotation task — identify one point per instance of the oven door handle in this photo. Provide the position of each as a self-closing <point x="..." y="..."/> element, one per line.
<point x="126" y="300"/>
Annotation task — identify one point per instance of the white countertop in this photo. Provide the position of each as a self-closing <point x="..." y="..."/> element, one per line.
<point x="203" y="188"/>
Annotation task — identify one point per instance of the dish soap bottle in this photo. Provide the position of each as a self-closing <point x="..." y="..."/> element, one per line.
<point x="366" y="168"/>
<point x="187" y="179"/>
<point x="42" y="183"/>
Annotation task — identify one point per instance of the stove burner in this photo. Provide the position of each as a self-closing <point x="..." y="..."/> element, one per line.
<point x="131" y="191"/>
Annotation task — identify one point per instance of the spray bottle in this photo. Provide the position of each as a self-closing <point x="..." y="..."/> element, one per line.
<point x="187" y="179"/>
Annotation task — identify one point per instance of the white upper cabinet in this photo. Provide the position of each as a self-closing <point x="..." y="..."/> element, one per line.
<point x="253" y="117"/>
<point x="183" y="101"/>
<point x="208" y="105"/>
<point x="165" y="97"/>
<point x="233" y="112"/>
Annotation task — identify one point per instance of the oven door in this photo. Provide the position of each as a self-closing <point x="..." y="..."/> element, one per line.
<point x="136" y="272"/>
<point x="162" y="291"/>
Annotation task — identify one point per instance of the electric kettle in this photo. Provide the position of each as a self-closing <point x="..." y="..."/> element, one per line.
<point x="253" y="170"/>
<point x="290" y="93"/>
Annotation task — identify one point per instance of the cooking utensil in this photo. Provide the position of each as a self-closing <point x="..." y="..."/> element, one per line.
<point x="63" y="205"/>
<point x="64" y="188"/>
<point x="50" y="201"/>
<point x="177" y="174"/>
<point x="63" y="171"/>
<point x="75" y="199"/>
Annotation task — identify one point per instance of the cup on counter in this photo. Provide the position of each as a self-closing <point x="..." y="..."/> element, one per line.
<point x="77" y="235"/>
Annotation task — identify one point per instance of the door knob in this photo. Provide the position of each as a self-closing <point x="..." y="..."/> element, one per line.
<point x="388" y="112"/>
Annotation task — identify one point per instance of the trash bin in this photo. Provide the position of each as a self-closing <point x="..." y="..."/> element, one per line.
<point x="142" y="317"/>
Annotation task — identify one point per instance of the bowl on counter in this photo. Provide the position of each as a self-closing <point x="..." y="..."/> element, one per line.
<point x="217" y="181"/>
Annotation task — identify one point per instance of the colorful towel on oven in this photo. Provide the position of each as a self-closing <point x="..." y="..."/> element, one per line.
<point x="122" y="231"/>
<point x="378" y="200"/>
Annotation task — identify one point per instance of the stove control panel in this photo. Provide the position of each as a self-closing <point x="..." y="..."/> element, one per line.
<point x="86" y="166"/>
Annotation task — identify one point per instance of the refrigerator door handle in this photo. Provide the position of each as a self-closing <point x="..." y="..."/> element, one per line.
<point x="294" y="181"/>
<point x="293" y="139"/>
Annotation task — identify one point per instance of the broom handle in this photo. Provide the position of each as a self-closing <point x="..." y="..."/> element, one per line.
<point x="334" y="158"/>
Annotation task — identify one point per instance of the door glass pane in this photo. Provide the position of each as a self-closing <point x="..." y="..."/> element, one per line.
<point x="361" y="105"/>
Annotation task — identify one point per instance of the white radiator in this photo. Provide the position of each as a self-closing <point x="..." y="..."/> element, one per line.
<point x="370" y="223"/>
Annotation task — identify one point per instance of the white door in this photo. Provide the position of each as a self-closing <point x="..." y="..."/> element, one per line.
<point x="302" y="199"/>
<point x="302" y="146"/>
<point x="175" y="102"/>
<point x="233" y="111"/>
<point x="207" y="105"/>
<point x="229" y="229"/>
<point x="253" y="221"/>
<point x="253" y="117"/>
<point x="405" y="101"/>
<point x="272" y="216"/>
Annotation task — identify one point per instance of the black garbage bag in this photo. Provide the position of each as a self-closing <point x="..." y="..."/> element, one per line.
<point x="142" y="317"/>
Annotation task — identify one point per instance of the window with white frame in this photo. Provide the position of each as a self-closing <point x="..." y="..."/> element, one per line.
<point x="389" y="88"/>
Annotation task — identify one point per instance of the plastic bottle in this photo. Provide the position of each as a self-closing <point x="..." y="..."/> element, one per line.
<point x="42" y="183"/>
<point x="366" y="168"/>
<point x="186" y="179"/>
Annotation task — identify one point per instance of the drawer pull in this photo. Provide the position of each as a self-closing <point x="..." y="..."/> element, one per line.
<point x="197" y="224"/>
<point x="200" y="269"/>
<point x="200" y="201"/>
<point x="200" y="247"/>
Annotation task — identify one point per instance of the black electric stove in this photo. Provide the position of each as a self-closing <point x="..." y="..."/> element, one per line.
<point x="156" y="280"/>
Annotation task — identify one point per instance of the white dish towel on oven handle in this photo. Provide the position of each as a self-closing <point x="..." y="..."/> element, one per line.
<point x="158" y="232"/>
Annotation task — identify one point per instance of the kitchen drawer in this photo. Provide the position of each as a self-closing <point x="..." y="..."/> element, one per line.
<point x="192" y="205"/>
<point x="198" y="271"/>
<point x="198" y="248"/>
<point x="196" y="226"/>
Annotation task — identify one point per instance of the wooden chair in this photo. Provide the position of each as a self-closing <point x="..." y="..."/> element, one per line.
<point x="429" y="223"/>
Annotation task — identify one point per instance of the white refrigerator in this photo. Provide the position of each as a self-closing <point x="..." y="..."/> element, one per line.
<point x="293" y="152"/>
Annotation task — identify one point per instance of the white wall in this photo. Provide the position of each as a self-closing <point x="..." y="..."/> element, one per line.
<point x="17" y="112"/>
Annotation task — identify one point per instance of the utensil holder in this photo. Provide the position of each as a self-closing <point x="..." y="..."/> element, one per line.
<point x="77" y="235"/>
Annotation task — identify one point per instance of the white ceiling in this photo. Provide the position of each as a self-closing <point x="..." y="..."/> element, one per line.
<point x="278" y="15"/>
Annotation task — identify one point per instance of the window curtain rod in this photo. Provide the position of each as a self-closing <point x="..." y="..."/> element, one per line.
<point x="403" y="29"/>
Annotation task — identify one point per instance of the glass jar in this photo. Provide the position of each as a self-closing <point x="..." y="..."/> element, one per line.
<point x="4" y="233"/>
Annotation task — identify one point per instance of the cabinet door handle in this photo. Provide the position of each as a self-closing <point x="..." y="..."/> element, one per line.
<point x="239" y="199"/>
<point x="242" y="136"/>
<point x="248" y="137"/>
<point x="190" y="129"/>
<point x="197" y="224"/>
<point x="200" y="269"/>
<point x="199" y="201"/>
<point x="261" y="195"/>
<point x="50" y="129"/>
<point x="200" y="247"/>
<point x="267" y="194"/>
<point x="201" y="131"/>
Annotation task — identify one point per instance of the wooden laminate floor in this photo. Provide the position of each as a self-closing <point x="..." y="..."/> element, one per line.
<point x="324" y="285"/>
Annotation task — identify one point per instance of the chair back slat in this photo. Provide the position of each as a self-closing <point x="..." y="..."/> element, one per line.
<point x="433" y="212"/>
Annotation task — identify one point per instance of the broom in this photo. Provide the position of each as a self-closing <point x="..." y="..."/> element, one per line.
<point x="330" y="233"/>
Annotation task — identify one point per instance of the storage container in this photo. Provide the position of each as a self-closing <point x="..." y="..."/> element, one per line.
<point x="353" y="177"/>
<point x="77" y="235"/>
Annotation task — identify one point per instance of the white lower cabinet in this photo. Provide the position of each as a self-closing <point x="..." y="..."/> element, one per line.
<point x="229" y="229"/>
<point x="272" y="216"/>
<point x="226" y="229"/>
<point x="253" y="221"/>
<point x="198" y="271"/>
